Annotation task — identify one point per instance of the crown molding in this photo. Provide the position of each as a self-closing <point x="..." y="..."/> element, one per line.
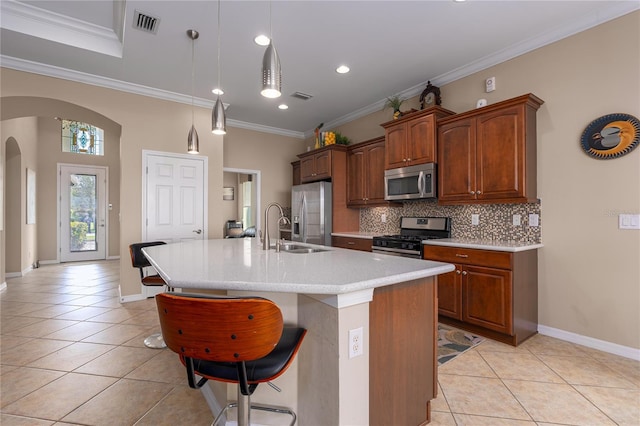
<point x="137" y="89"/>
<point x="34" y="21"/>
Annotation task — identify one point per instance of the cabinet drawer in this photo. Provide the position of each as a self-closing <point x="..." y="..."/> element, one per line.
<point x="494" y="259"/>
<point x="362" y="244"/>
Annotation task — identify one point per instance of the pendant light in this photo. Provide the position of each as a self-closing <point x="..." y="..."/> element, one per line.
<point x="271" y="71"/>
<point x="193" y="142"/>
<point x="218" y="118"/>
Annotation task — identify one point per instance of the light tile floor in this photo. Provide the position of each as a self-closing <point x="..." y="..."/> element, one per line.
<point x="70" y="353"/>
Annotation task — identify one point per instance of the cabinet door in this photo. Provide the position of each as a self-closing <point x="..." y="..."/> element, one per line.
<point x="307" y="169"/>
<point x="356" y="177"/>
<point x="450" y="294"/>
<point x="323" y="165"/>
<point x="374" y="180"/>
<point x="457" y="161"/>
<point x="296" y="180"/>
<point x="500" y="147"/>
<point x="487" y="298"/>
<point x="421" y="140"/>
<point x="396" y="141"/>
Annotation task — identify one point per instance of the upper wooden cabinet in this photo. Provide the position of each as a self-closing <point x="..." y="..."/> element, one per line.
<point x="315" y="165"/>
<point x="411" y="139"/>
<point x="330" y="163"/>
<point x="365" y="171"/>
<point x="488" y="155"/>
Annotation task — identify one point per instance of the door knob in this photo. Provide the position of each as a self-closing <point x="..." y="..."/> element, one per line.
<point x="198" y="231"/>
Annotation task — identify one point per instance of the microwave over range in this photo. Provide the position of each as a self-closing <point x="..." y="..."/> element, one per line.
<point x="410" y="183"/>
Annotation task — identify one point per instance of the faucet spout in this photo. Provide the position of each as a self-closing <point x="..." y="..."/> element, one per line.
<point x="266" y="243"/>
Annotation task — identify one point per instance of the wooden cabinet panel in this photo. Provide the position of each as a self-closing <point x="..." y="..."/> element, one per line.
<point x="489" y="154"/>
<point x="362" y="244"/>
<point x="315" y="166"/>
<point x="412" y="139"/>
<point x="296" y="173"/>
<point x="450" y="294"/>
<point x="396" y="138"/>
<point x="421" y="140"/>
<point x="491" y="293"/>
<point x="366" y="173"/>
<point x="456" y="161"/>
<point x="487" y="298"/>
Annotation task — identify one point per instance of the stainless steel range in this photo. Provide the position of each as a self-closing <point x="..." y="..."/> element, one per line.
<point x="413" y="230"/>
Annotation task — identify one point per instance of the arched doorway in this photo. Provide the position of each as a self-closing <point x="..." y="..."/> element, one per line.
<point x="43" y="114"/>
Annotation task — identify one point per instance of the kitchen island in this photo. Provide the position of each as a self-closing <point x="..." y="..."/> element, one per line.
<point x="331" y="292"/>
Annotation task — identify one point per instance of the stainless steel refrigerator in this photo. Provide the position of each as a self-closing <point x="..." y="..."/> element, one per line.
<point x="311" y="213"/>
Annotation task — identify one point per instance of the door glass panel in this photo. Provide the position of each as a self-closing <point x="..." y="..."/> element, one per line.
<point x="82" y="213"/>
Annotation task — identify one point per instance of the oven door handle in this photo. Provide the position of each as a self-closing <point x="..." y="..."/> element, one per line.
<point x="397" y="252"/>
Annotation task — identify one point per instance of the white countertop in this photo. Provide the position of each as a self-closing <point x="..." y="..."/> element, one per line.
<point x="357" y="234"/>
<point x="512" y="246"/>
<point x="241" y="264"/>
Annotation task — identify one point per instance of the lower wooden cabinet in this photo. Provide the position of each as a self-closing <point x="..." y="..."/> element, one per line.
<point x="362" y="244"/>
<point x="490" y="293"/>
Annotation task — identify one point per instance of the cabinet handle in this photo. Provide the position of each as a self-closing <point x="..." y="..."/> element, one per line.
<point x="404" y="160"/>
<point x="408" y="159"/>
<point x="479" y="192"/>
<point x="351" y="243"/>
<point x="462" y="255"/>
<point x="458" y="271"/>
<point x="473" y="192"/>
<point x="464" y="272"/>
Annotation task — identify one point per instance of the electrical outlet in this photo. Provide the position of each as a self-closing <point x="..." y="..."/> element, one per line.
<point x="516" y="220"/>
<point x="356" y="342"/>
<point x="475" y="219"/>
<point x="383" y="218"/>
<point x="534" y="220"/>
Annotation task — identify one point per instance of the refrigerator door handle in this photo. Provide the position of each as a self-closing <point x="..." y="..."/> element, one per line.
<point x="303" y="218"/>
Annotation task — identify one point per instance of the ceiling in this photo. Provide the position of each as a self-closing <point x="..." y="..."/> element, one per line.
<point x="392" y="47"/>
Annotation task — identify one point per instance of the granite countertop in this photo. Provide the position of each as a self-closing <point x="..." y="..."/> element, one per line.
<point x="357" y="234"/>
<point x="512" y="246"/>
<point x="242" y="264"/>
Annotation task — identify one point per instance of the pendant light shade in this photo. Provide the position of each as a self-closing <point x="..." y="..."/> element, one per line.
<point x="193" y="142"/>
<point x="218" y="119"/>
<point x="271" y="73"/>
<point x="218" y="116"/>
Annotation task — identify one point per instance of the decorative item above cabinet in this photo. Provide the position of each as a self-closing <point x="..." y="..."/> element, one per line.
<point x="488" y="155"/>
<point x="411" y="139"/>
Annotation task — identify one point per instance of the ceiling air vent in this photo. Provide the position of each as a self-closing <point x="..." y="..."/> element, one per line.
<point x="145" y="22"/>
<point x="300" y="95"/>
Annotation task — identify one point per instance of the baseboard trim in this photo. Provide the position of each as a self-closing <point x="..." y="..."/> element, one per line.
<point x="3" y="286"/>
<point x="49" y="262"/>
<point x="131" y="298"/>
<point x="13" y="274"/>
<point x="113" y="257"/>
<point x="590" y="342"/>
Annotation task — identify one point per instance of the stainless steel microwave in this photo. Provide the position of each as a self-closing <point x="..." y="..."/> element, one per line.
<point x="410" y="183"/>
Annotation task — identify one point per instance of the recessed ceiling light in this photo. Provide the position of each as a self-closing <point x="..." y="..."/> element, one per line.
<point x="262" y="40"/>
<point x="342" y="69"/>
<point x="217" y="91"/>
<point x="283" y="106"/>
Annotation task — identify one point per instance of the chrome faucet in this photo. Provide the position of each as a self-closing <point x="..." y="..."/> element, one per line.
<point x="266" y="243"/>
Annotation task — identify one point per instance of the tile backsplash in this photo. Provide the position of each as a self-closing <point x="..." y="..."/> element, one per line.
<point x="496" y="220"/>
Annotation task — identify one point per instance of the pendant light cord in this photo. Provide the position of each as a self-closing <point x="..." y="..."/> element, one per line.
<point x="193" y="74"/>
<point x="219" y="46"/>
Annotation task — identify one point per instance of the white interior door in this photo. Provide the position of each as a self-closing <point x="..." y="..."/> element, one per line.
<point x="175" y="197"/>
<point x="82" y="193"/>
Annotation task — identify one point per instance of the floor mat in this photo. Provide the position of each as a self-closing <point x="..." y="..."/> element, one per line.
<point x="452" y="342"/>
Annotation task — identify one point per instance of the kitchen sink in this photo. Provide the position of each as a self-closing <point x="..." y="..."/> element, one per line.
<point x="297" y="248"/>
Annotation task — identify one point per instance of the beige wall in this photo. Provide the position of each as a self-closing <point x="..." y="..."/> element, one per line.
<point x="589" y="274"/>
<point x="22" y="155"/>
<point x="272" y="155"/>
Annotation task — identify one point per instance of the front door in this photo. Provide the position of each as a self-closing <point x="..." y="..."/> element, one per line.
<point x="83" y="212"/>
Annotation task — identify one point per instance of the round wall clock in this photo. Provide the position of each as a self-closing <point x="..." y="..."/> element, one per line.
<point x="611" y="136"/>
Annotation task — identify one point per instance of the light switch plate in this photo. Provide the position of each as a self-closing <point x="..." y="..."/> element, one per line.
<point x="475" y="219"/>
<point x="629" y="221"/>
